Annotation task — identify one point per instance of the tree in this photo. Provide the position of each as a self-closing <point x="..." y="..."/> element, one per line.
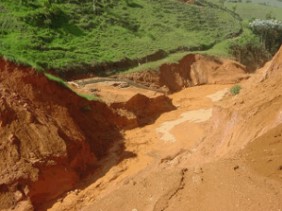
<point x="269" y="31"/>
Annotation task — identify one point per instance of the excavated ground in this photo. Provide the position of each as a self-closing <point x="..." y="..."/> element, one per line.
<point x="48" y="139"/>
<point x="153" y="147"/>
<point x="191" y="70"/>
<point x="199" y="148"/>
<point x="213" y="152"/>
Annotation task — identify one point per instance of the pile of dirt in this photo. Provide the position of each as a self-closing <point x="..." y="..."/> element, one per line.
<point x="191" y="70"/>
<point x="145" y="109"/>
<point x="49" y="137"/>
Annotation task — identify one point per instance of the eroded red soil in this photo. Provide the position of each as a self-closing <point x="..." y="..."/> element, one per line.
<point x="48" y="139"/>
<point x="190" y="71"/>
<point x="199" y="148"/>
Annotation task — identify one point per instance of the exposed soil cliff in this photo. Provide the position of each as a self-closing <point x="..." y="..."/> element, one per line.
<point x="47" y="138"/>
<point x="134" y="106"/>
<point x="211" y="151"/>
<point x="50" y="137"/>
<point x="190" y="71"/>
<point x="214" y="152"/>
<point x="249" y="115"/>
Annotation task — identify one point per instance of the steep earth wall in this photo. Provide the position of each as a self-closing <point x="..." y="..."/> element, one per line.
<point x="249" y="115"/>
<point x="236" y="165"/>
<point x="190" y="71"/>
<point x="48" y="137"/>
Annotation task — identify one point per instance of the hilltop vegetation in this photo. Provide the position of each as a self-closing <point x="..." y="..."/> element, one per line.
<point x="256" y="44"/>
<point x="251" y="9"/>
<point x="63" y="34"/>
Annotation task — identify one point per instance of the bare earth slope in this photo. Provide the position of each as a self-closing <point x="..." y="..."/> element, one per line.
<point x="205" y="155"/>
<point x="50" y="137"/>
<point x="254" y="112"/>
<point x="209" y="151"/>
<point x="191" y="70"/>
<point x="47" y="138"/>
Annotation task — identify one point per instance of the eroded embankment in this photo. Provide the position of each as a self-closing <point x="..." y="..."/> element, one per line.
<point x="49" y="136"/>
<point x="254" y="112"/>
<point x="234" y="164"/>
<point x="192" y="70"/>
<point x="134" y="105"/>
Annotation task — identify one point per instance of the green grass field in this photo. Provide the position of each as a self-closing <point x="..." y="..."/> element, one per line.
<point x="254" y="10"/>
<point x="275" y="3"/>
<point x="221" y="49"/>
<point x="68" y="34"/>
<point x="251" y="9"/>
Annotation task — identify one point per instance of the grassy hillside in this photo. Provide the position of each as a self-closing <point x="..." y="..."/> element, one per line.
<point x="59" y="34"/>
<point x="251" y="9"/>
<point x="275" y="3"/>
<point x="254" y="10"/>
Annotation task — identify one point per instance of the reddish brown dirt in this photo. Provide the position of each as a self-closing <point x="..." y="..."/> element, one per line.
<point x="47" y="139"/>
<point x="251" y="114"/>
<point x="213" y="151"/>
<point x="231" y="161"/>
<point x="149" y="148"/>
<point x="190" y="71"/>
<point x="135" y="106"/>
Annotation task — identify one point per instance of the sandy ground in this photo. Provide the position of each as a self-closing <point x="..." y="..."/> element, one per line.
<point x="196" y="116"/>
<point x="174" y="133"/>
<point x="208" y="151"/>
<point x="214" y="152"/>
<point x="218" y="95"/>
<point x="113" y="91"/>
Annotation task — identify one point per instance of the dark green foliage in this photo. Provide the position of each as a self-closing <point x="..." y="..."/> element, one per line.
<point x="46" y="16"/>
<point x="270" y="33"/>
<point x="234" y="90"/>
<point x="249" y="51"/>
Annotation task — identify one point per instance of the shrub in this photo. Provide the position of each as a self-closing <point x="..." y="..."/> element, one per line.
<point x="269" y="32"/>
<point x="234" y="90"/>
<point x="249" y="51"/>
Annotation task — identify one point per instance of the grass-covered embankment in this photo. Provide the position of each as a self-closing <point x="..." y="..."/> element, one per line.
<point x="66" y="34"/>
